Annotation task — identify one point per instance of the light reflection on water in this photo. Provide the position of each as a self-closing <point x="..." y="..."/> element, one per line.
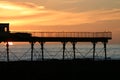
<point x="54" y="51"/>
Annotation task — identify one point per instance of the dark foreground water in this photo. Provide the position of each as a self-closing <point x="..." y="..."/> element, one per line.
<point x="58" y="69"/>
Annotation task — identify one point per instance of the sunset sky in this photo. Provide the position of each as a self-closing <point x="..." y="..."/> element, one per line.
<point x="62" y="15"/>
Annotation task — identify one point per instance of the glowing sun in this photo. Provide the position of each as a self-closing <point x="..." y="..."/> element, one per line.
<point x="10" y="43"/>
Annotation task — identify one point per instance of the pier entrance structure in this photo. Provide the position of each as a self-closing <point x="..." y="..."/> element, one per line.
<point x="63" y="37"/>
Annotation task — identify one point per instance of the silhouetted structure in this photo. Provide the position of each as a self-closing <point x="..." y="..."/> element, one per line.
<point x="4" y="27"/>
<point x="62" y="37"/>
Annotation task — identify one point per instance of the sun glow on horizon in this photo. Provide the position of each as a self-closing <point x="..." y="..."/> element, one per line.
<point x="10" y="43"/>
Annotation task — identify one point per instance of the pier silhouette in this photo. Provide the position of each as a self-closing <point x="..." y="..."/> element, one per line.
<point x="73" y="37"/>
<point x="64" y="68"/>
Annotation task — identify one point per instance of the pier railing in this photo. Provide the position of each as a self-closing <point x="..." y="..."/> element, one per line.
<point x="73" y="34"/>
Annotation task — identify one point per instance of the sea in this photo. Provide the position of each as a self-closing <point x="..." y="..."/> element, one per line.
<point x="22" y="51"/>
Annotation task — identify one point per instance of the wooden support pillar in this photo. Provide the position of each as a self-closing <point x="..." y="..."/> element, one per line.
<point x="94" y="47"/>
<point x="74" y="55"/>
<point x="64" y="44"/>
<point x="7" y="49"/>
<point x="32" y="47"/>
<point x="42" y="49"/>
<point x="105" y="45"/>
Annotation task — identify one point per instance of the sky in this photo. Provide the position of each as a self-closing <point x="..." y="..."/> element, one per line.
<point x="62" y="15"/>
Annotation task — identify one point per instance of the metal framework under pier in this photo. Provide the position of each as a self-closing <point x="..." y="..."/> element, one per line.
<point x="92" y="37"/>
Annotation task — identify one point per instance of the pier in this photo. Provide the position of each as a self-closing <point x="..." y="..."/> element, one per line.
<point x="63" y="37"/>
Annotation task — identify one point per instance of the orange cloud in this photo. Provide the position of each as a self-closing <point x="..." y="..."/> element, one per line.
<point x="24" y="13"/>
<point x="18" y="5"/>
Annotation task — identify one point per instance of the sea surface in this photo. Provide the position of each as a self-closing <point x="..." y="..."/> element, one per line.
<point x="22" y="51"/>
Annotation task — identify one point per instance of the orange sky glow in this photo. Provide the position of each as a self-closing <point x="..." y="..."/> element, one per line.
<point x="62" y="15"/>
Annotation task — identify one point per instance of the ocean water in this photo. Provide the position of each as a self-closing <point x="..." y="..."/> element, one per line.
<point x="22" y="51"/>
